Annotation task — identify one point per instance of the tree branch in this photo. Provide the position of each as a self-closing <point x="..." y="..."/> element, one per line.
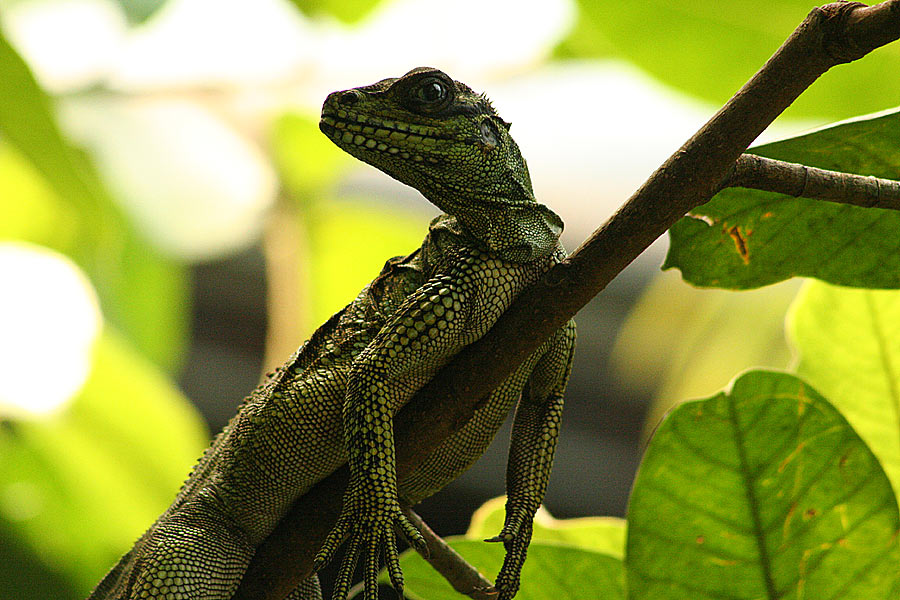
<point x="830" y="35"/>
<point x="801" y="181"/>
<point x="464" y="578"/>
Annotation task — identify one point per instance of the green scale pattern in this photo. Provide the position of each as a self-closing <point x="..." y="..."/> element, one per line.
<point x="334" y="400"/>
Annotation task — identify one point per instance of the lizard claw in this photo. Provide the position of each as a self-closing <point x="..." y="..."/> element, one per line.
<point x="412" y="535"/>
<point x="367" y="534"/>
<point x="332" y="543"/>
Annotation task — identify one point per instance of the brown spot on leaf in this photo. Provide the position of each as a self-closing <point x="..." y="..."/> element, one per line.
<point x="700" y="539"/>
<point x="740" y="243"/>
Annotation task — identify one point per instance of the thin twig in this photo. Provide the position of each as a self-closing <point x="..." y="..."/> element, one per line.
<point x="770" y="175"/>
<point x="464" y="578"/>
<point x="830" y="35"/>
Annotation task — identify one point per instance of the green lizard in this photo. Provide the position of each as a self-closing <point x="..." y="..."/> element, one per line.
<point x="335" y="398"/>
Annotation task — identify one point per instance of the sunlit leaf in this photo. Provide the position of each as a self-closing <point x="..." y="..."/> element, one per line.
<point x="141" y="292"/>
<point x="763" y="491"/>
<point x="551" y="572"/>
<point x="27" y="122"/>
<point x="32" y="210"/>
<point x="348" y="11"/>
<point x="79" y="487"/>
<point x="709" y="49"/>
<point x="601" y="534"/>
<point x="747" y="238"/>
<point x="849" y="346"/>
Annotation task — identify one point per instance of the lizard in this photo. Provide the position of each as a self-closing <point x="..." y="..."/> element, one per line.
<point x="334" y="399"/>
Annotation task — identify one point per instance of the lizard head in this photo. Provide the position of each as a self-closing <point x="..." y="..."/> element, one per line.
<point x="437" y="135"/>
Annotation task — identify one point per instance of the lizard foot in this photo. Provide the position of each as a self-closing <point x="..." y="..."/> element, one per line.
<point x="515" y="541"/>
<point x="367" y="533"/>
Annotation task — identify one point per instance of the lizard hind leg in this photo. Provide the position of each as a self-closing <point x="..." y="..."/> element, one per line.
<point x="194" y="554"/>
<point x="535" y="431"/>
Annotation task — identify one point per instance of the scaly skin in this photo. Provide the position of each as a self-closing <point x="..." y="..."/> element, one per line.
<point x="334" y="400"/>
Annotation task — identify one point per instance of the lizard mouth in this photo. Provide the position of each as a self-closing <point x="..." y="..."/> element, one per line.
<point x="359" y="132"/>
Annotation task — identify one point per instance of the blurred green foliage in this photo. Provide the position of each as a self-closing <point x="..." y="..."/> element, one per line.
<point x="709" y="49"/>
<point x="55" y="198"/>
<point x="138" y="11"/>
<point x="709" y="335"/>
<point x="803" y="500"/>
<point x="79" y="486"/>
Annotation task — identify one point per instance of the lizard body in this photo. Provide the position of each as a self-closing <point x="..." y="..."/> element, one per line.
<point x="334" y="400"/>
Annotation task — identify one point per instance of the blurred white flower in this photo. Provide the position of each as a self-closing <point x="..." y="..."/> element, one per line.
<point x="192" y="184"/>
<point x="68" y="43"/>
<point x="49" y="319"/>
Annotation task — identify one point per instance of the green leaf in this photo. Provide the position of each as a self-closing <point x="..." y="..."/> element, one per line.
<point x="710" y="48"/>
<point x="848" y="342"/>
<point x="763" y="491"/>
<point x="32" y="211"/>
<point x="601" y="534"/>
<point x="746" y="238"/>
<point x="551" y="572"/>
<point x="57" y="199"/>
<point x="77" y="488"/>
<point x="348" y="11"/>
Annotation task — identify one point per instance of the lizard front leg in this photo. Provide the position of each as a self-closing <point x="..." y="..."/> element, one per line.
<point x="535" y="431"/>
<point x="439" y="319"/>
<point x="425" y="330"/>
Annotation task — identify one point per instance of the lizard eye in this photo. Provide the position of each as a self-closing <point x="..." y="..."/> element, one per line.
<point x="432" y="91"/>
<point x="430" y="95"/>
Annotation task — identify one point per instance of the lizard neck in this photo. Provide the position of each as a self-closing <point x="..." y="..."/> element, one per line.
<point x="508" y="222"/>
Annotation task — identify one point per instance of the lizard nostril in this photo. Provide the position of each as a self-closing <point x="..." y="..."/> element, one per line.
<point x="348" y="98"/>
